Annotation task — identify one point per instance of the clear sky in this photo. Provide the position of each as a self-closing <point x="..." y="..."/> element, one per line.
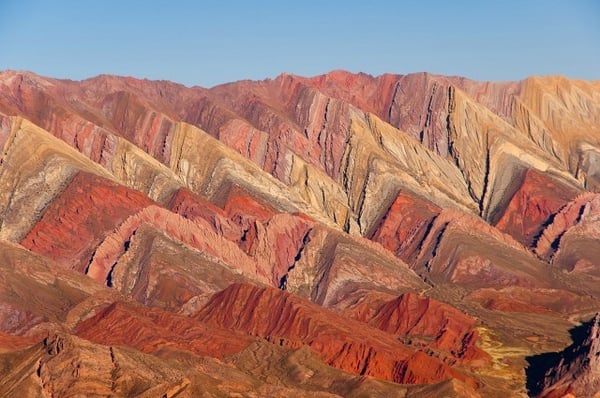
<point x="215" y="41"/>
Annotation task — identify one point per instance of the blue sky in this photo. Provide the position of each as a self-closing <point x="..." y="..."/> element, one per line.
<point x="211" y="42"/>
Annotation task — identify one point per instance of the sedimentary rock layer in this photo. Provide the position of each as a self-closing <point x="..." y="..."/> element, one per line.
<point x="326" y="236"/>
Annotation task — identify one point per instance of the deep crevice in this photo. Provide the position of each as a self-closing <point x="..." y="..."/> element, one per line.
<point x="486" y="178"/>
<point x="305" y="240"/>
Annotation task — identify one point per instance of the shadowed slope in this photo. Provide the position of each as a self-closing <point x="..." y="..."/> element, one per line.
<point x="572" y="372"/>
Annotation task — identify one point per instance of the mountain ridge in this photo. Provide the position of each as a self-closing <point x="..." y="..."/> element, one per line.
<point x="366" y="198"/>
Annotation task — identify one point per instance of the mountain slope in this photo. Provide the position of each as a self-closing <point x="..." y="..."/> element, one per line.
<point x="417" y="229"/>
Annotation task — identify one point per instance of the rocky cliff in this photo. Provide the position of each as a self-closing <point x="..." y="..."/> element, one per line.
<point x="574" y="372"/>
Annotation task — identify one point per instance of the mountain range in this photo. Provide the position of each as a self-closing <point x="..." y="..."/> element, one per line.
<point x="340" y="235"/>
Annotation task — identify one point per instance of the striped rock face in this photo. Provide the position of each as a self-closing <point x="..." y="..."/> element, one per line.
<point x="338" y="235"/>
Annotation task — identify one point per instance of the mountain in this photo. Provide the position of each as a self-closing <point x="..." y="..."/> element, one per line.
<point x="339" y="235"/>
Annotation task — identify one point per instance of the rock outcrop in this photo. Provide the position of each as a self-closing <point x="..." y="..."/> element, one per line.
<point x="574" y="372"/>
<point x="80" y="217"/>
<point x="570" y="240"/>
<point x="404" y="225"/>
<point x="531" y="206"/>
<point x="338" y="341"/>
<point x="426" y="322"/>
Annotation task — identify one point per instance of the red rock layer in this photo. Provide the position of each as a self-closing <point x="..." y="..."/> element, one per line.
<point x="11" y="342"/>
<point x="246" y="213"/>
<point x="152" y="330"/>
<point x="536" y="199"/>
<point x="568" y="217"/>
<point x="518" y="299"/>
<point x="193" y="207"/>
<point x="439" y="326"/>
<point x="464" y="249"/>
<point x="272" y="239"/>
<point x="236" y="220"/>
<point x="197" y="234"/>
<point x="277" y="245"/>
<point x="340" y="342"/>
<point x="404" y="225"/>
<point x="505" y="303"/>
<point x="240" y="203"/>
<point x="80" y="217"/>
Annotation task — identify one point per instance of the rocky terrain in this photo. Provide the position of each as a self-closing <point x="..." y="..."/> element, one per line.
<point x="341" y="235"/>
<point x="573" y="372"/>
